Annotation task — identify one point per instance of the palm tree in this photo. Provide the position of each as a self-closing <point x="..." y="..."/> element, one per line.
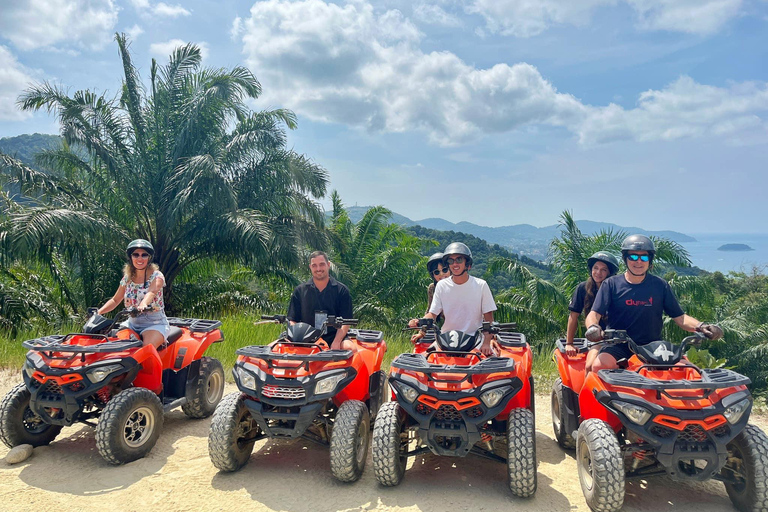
<point x="185" y="165"/>
<point x="379" y="262"/>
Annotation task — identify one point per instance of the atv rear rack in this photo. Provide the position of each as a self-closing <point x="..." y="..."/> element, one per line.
<point x="511" y="339"/>
<point x="195" y="324"/>
<point x="715" y="378"/>
<point x="48" y="345"/>
<point x="419" y="363"/>
<point x="366" y="335"/>
<point x="265" y="352"/>
<point x="581" y="344"/>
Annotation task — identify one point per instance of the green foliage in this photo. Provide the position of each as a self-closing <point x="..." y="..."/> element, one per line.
<point x="703" y="359"/>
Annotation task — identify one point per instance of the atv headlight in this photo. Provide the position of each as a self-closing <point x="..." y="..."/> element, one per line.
<point x="733" y="413"/>
<point x="635" y="413"/>
<point x="492" y="397"/>
<point x="407" y="392"/>
<point x="99" y="374"/>
<point x="246" y="378"/>
<point x="29" y="369"/>
<point x="328" y="384"/>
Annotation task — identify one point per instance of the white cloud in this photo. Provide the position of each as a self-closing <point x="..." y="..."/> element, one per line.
<point x="432" y="14"/>
<point x="526" y="18"/>
<point x="134" y="32"/>
<point x="692" y="16"/>
<point x="684" y="109"/>
<point x="163" y="50"/>
<point x="146" y="9"/>
<point x="350" y="64"/>
<point x="31" y="24"/>
<point x="14" y="78"/>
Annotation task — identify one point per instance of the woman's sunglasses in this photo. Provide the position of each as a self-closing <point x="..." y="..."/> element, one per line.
<point x="139" y="255"/>
<point x="437" y="271"/>
<point x="457" y="259"/>
<point x="635" y="257"/>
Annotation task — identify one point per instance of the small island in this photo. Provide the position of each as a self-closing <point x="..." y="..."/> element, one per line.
<point x="735" y="247"/>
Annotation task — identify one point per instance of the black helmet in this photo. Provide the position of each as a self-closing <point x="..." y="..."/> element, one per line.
<point x="433" y="261"/>
<point x="637" y="243"/>
<point x="458" y="248"/>
<point x="140" y="243"/>
<point x="607" y="258"/>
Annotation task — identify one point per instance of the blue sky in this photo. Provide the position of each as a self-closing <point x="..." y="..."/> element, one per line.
<point x="647" y="113"/>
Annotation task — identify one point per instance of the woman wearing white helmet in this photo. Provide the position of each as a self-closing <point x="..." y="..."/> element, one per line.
<point x="142" y="287"/>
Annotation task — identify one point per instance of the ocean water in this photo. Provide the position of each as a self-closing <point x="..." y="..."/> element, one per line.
<point x="705" y="255"/>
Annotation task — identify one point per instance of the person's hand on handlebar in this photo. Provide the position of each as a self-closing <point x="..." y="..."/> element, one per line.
<point x="711" y="331"/>
<point x="413" y="322"/>
<point x="594" y="333"/>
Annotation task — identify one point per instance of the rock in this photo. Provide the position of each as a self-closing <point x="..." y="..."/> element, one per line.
<point x="19" y="454"/>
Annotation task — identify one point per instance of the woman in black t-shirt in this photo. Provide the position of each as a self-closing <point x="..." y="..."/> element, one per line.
<point x="438" y="271"/>
<point x="601" y="265"/>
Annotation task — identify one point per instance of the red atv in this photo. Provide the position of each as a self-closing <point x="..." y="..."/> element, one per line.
<point x="107" y="374"/>
<point x="454" y="401"/>
<point x="658" y="415"/>
<point x="298" y="387"/>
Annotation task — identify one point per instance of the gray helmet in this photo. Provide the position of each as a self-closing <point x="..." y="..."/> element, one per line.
<point x="458" y="248"/>
<point x="637" y="243"/>
<point x="140" y="243"/>
<point x="607" y="258"/>
<point x="433" y="261"/>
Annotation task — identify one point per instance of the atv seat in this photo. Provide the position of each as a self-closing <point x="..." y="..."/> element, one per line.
<point x="174" y="333"/>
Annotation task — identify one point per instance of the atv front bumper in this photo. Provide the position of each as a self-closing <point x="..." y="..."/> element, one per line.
<point x="59" y="396"/>
<point x="450" y="422"/>
<point x="285" y="408"/>
<point x="689" y="444"/>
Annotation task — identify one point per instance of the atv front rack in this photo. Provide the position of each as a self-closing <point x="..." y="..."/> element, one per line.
<point x="194" y="324"/>
<point x="265" y="353"/>
<point x="715" y="378"/>
<point x="48" y="345"/>
<point x="419" y="363"/>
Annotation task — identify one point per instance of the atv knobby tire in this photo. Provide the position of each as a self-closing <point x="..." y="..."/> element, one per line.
<point x="232" y="435"/>
<point x="389" y="447"/>
<point x="377" y="400"/>
<point x="748" y="456"/>
<point x="19" y="425"/>
<point x="563" y="438"/>
<point x="601" y="467"/>
<point x="129" y="425"/>
<point x="521" y="453"/>
<point x="205" y="394"/>
<point x="350" y="437"/>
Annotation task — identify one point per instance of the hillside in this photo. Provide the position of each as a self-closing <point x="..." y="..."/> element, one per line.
<point x="523" y="239"/>
<point x="24" y="147"/>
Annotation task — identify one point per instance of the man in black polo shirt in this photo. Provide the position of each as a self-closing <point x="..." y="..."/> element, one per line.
<point x="635" y="301"/>
<point x="322" y="296"/>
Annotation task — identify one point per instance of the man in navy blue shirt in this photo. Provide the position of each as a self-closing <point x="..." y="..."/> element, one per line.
<point x="635" y="301"/>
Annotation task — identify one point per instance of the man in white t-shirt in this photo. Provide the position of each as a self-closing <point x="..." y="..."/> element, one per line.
<point x="464" y="300"/>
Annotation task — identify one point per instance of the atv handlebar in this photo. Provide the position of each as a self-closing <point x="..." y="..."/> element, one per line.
<point x="331" y="321"/>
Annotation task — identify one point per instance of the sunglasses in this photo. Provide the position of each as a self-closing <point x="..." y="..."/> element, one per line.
<point x="437" y="271"/>
<point x="139" y="255"/>
<point x="457" y="259"/>
<point x="635" y="257"/>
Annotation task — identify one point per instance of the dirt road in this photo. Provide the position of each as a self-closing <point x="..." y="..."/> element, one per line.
<point x="70" y="475"/>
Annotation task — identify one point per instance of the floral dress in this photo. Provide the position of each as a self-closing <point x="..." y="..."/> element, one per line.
<point x="134" y="293"/>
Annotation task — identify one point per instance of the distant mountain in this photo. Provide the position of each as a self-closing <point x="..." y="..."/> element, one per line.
<point x="24" y="147"/>
<point x="523" y="239"/>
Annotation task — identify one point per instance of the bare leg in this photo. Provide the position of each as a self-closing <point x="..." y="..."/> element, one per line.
<point x="152" y="337"/>
<point x="591" y="356"/>
<point x="604" y="361"/>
